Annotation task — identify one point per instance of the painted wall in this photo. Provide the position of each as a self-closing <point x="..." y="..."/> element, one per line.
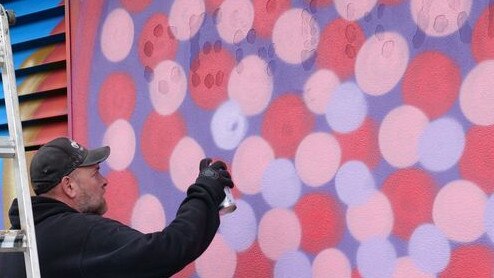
<point x="360" y="134"/>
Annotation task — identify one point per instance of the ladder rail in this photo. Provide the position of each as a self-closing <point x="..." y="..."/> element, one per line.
<point x="19" y="160"/>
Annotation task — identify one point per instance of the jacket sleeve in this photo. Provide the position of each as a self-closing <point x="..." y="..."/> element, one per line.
<point x="112" y="249"/>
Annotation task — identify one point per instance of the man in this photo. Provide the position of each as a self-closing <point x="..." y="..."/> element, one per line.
<point x="74" y="240"/>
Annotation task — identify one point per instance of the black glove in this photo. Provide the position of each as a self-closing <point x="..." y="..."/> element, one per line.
<point x="215" y="174"/>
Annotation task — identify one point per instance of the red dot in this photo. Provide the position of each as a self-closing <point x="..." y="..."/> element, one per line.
<point x="160" y="135"/>
<point x="321" y="218"/>
<point x="253" y="263"/>
<point x="135" y="6"/>
<point x="121" y="195"/>
<point x="483" y="36"/>
<point x="470" y="261"/>
<point x="286" y="122"/>
<point x="477" y="162"/>
<point x="338" y="47"/>
<point x="411" y="193"/>
<point x="361" y="144"/>
<point x="356" y="273"/>
<point x="266" y="13"/>
<point x="432" y="83"/>
<point x="117" y="97"/>
<point x="319" y="3"/>
<point x="156" y="41"/>
<point x="213" y="5"/>
<point x="209" y="75"/>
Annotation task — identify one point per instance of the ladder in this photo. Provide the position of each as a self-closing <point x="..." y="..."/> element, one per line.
<point x="12" y="147"/>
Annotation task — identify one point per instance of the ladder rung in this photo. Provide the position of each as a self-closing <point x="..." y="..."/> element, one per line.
<point x="7" y="147"/>
<point x="13" y="241"/>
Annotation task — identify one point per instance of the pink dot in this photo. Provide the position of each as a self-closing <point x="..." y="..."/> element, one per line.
<point x="120" y="136"/>
<point x="477" y="161"/>
<point x="286" y="122"/>
<point x="318" y="158"/>
<point x="459" y="211"/>
<point x="219" y="260"/>
<point x="234" y="20"/>
<point x="318" y="90"/>
<point x="431" y="83"/>
<point x="250" y="85"/>
<point x="209" y="77"/>
<point x="399" y="135"/>
<point x="321" y="219"/>
<point x="440" y="18"/>
<point x="168" y="87"/>
<point x="117" y="97"/>
<point x="159" y="136"/>
<point x="381" y="63"/>
<point x="184" y="163"/>
<point x="340" y="42"/>
<point x="135" y="6"/>
<point x="148" y="215"/>
<point x="331" y="261"/>
<point x="372" y="219"/>
<point x="483" y="36"/>
<point x="477" y="96"/>
<point x="121" y="194"/>
<point x="406" y="268"/>
<point x="295" y="36"/>
<point x="186" y="17"/>
<point x="266" y="13"/>
<point x="354" y="9"/>
<point x="156" y="41"/>
<point x="117" y="35"/>
<point x="361" y="144"/>
<point x="279" y="232"/>
<point x="249" y="162"/>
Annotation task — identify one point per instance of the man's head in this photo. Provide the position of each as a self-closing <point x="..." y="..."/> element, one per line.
<point x="66" y="170"/>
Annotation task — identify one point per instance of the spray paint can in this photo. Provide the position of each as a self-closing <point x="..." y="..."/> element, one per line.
<point x="228" y="205"/>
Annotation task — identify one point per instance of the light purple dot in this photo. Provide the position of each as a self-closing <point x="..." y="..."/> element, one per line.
<point x="429" y="248"/>
<point x="441" y="144"/>
<point x="347" y="108"/>
<point x="239" y="229"/>
<point x="293" y="265"/>
<point x="376" y="258"/>
<point x="354" y="183"/>
<point x="280" y="184"/>
<point x="228" y="126"/>
<point x="489" y="217"/>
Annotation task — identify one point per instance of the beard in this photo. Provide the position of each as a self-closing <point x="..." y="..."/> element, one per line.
<point x="92" y="204"/>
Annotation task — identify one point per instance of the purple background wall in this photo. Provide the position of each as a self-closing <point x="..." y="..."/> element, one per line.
<point x="360" y="134"/>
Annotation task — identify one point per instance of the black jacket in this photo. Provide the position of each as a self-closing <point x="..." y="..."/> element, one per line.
<point x="73" y="244"/>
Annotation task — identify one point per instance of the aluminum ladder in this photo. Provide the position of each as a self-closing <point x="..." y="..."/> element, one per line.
<point x="12" y="147"/>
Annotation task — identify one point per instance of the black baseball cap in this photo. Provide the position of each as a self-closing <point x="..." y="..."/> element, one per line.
<point x="60" y="157"/>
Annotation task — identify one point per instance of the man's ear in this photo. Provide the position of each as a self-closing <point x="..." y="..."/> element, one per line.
<point x="68" y="187"/>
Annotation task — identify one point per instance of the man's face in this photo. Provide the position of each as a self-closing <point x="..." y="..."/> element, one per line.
<point x="91" y="188"/>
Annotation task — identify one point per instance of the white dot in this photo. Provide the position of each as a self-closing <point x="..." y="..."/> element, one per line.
<point x="295" y="36"/>
<point x="117" y="35"/>
<point x="186" y="17"/>
<point x="120" y="136"/>
<point x="234" y="20"/>
<point x="381" y="63"/>
<point x="318" y="90"/>
<point x="168" y="87"/>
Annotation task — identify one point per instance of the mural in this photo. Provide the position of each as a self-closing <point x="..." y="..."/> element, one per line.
<point x="360" y="134"/>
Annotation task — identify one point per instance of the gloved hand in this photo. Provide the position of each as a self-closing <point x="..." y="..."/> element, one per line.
<point x="215" y="174"/>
